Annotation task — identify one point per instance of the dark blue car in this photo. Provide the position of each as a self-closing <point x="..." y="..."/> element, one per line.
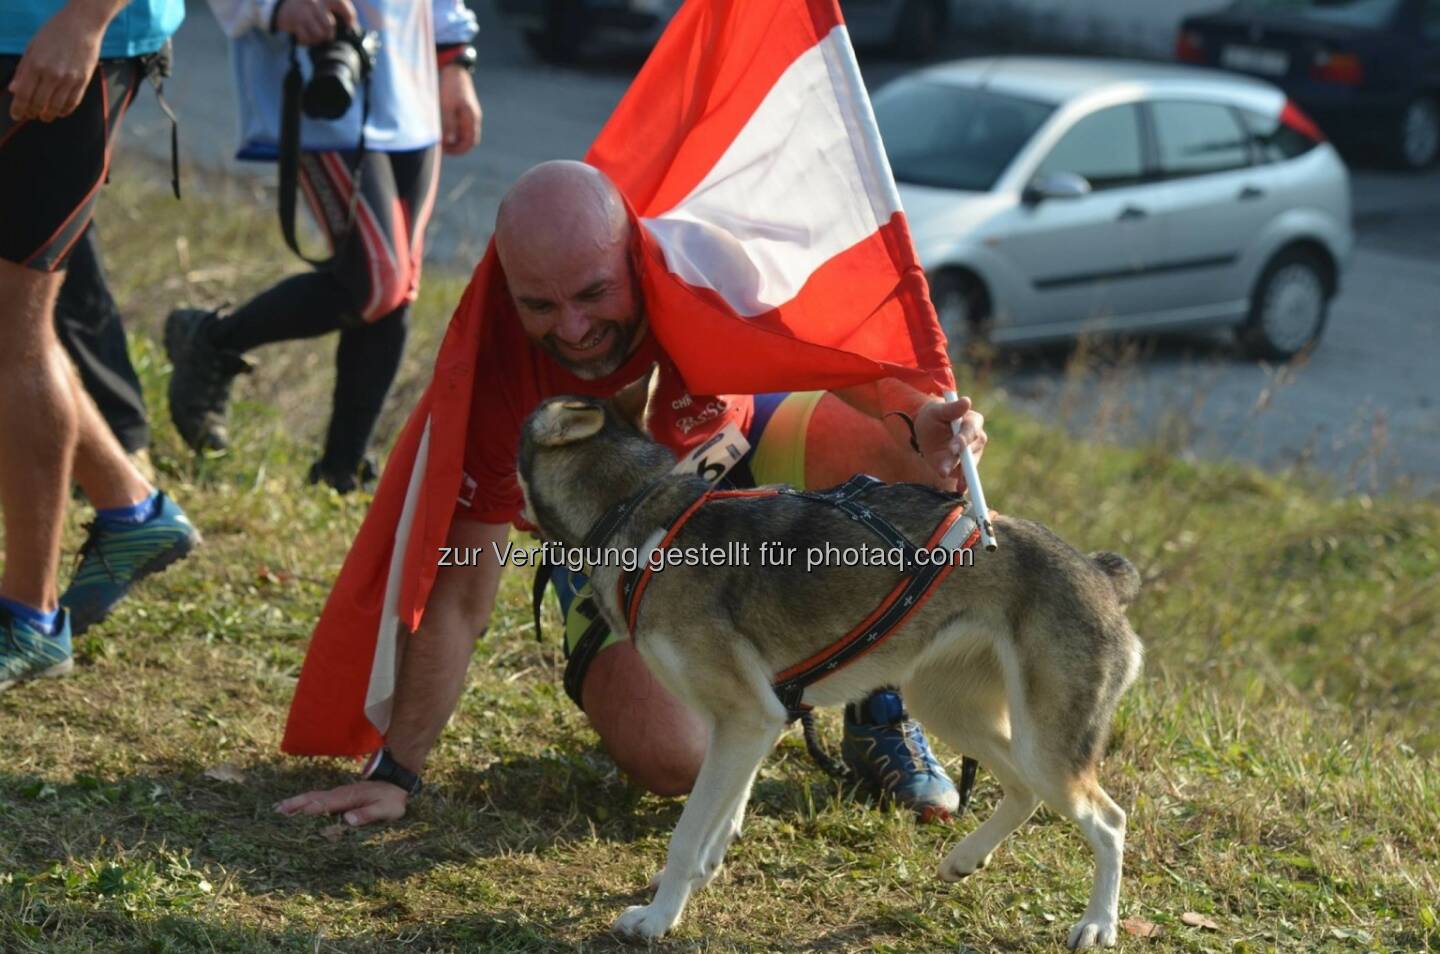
<point x="1367" y="71"/>
<point x="557" y="30"/>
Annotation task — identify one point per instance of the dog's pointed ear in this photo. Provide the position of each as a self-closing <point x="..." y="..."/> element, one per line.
<point x="567" y="421"/>
<point x="632" y="402"/>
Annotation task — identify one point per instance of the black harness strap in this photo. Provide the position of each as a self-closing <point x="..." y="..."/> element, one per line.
<point x="579" y="656"/>
<point x="843" y="499"/>
<point x="913" y="589"/>
<point x="910" y="591"/>
<point x="605" y="528"/>
<point x="582" y="654"/>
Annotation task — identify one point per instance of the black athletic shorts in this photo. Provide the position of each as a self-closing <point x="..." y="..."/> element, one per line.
<point x="50" y="173"/>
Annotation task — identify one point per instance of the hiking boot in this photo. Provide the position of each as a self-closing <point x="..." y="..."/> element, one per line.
<point x="27" y="653"/>
<point x="116" y="556"/>
<point x="887" y="749"/>
<point x="342" y="481"/>
<point x="200" y="382"/>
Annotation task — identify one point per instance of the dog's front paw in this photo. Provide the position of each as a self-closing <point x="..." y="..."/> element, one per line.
<point x="1092" y="932"/>
<point x="643" y="923"/>
<point x="961" y="863"/>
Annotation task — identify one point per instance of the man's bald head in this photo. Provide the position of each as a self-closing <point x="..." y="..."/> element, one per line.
<point x="563" y="238"/>
<point x="558" y="212"/>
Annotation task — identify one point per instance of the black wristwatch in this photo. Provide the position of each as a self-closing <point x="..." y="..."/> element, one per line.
<point x="382" y="767"/>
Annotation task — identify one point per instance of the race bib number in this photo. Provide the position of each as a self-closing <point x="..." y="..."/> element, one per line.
<point x="714" y="458"/>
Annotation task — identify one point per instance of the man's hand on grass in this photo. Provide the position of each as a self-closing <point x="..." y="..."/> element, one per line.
<point x="940" y="444"/>
<point x="362" y="803"/>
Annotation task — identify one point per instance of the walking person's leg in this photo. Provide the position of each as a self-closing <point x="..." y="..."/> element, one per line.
<point x="38" y="430"/>
<point x="364" y="294"/>
<point x="49" y="429"/>
<point x="368" y="355"/>
<point x="88" y="323"/>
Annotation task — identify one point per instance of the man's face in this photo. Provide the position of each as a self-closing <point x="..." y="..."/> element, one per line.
<point x="580" y="304"/>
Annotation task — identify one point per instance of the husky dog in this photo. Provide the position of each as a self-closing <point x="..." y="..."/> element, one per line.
<point x="1018" y="660"/>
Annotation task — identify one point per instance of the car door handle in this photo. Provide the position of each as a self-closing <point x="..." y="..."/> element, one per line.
<point x="1250" y="193"/>
<point x="1130" y="213"/>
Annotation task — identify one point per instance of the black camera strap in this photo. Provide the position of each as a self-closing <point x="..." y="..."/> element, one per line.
<point x="289" y="161"/>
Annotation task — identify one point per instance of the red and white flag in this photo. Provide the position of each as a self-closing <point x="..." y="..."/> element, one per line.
<point x="773" y="256"/>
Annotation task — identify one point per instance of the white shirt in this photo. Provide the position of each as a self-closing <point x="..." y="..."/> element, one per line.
<point x="404" y="93"/>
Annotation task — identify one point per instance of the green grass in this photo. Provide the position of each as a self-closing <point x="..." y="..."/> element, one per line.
<point x="1277" y="757"/>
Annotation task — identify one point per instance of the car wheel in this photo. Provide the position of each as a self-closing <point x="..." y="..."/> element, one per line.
<point x="1289" y="307"/>
<point x="960" y="305"/>
<point x="918" y="29"/>
<point x="1418" y="135"/>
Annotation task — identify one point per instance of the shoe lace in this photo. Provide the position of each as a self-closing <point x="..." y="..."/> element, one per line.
<point x="922" y="758"/>
<point x="91" y="545"/>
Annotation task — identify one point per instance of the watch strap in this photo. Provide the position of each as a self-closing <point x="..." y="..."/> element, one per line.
<point x="457" y="54"/>
<point x="382" y="767"/>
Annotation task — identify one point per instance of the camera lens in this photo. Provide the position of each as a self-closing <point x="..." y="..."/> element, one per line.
<point x="331" y="89"/>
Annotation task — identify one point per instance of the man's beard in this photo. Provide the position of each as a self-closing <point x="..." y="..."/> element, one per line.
<point x="622" y="337"/>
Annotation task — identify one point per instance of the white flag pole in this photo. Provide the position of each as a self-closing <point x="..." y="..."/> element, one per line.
<point x="979" y="511"/>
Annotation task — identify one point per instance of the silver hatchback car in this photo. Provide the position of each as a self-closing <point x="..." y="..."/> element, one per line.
<point x="1050" y="197"/>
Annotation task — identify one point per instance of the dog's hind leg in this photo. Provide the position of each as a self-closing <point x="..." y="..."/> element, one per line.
<point x="1058" y="744"/>
<point x="737" y="747"/>
<point x="1081" y="799"/>
<point x="962" y="702"/>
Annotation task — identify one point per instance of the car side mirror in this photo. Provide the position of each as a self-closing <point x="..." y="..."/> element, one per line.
<point x="1055" y="185"/>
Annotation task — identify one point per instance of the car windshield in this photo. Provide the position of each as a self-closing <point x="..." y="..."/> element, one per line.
<point x="953" y="137"/>
<point x="1355" y="13"/>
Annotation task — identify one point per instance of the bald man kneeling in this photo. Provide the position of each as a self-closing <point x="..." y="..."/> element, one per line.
<point x="565" y="241"/>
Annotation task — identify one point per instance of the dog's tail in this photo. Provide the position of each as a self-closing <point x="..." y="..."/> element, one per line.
<point x="1122" y="573"/>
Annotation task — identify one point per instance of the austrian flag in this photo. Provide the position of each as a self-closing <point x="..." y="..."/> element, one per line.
<point x="749" y="150"/>
<point x="772" y="254"/>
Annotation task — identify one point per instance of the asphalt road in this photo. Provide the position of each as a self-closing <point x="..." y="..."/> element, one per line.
<point x="1365" y="408"/>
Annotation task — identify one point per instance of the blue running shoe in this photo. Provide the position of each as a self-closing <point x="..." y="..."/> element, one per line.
<point x="116" y="556"/>
<point x="887" y="749"/>
<point x="27" y="653"/>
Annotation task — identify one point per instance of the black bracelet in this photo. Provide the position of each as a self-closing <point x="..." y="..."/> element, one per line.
<point x="910" y="423"/>
<point x="382" y="767"/>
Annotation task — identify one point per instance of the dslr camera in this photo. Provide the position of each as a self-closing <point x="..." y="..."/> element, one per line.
<point x="336" y="68"/>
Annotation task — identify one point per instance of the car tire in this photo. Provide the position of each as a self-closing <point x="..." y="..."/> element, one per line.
<point x="1289" y="307"/>
<point x="918" y="29"/>
<point x="1417" y="134"/>
<point x="963" y="309"/>
<point x="566" y="26"/>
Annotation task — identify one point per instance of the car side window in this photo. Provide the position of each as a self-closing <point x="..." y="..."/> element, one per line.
<point x="1272" y="140"/>
<point x="1104" y="147"/>
<point x="1197" y="139"/>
